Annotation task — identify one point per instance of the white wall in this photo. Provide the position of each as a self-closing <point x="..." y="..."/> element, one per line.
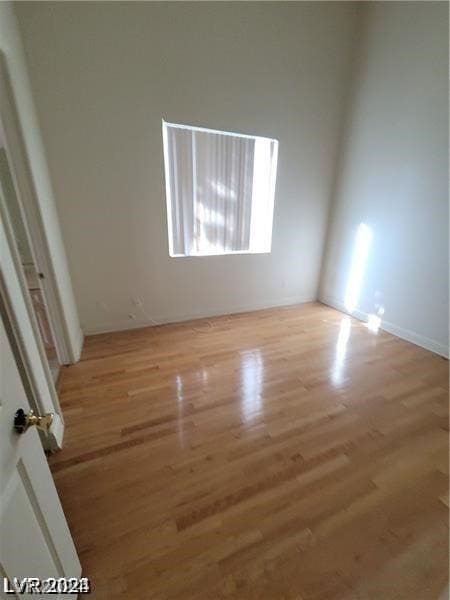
<point x="105" y="74"/>
<point x="11" y="46"/>
<point x="393" y="174"/>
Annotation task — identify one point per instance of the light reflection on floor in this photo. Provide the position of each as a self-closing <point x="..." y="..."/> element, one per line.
<point x="252" y="376"/>
<point x="180" y="406"/>
<point x="337" y="372"/>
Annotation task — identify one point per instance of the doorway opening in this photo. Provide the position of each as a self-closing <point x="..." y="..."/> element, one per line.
<point x="30" y="271"/>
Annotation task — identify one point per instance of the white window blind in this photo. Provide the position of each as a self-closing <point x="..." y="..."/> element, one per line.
<point x="220" y="190"/>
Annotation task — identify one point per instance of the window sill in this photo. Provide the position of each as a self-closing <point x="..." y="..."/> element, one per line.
<point x="231" y="253"/>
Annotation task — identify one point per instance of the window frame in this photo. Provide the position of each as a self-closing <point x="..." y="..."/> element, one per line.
<point x="168" y="198"/>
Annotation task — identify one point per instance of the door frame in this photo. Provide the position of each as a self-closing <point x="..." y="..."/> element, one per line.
<point x="16" y="307"/>
<point x="31" y="215"/>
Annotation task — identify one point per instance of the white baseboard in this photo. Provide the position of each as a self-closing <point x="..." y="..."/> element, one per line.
<point x="404" y="334"/>
<point x="122" y="325"/>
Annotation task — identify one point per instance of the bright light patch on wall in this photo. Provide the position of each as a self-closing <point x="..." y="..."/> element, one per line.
<point x="373" y="323"/>
<point x="358" y="265"/>
<point x="220" y="190"/>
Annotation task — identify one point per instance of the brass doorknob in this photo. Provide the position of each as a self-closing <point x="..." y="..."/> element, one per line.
<point x="23" y="421"/>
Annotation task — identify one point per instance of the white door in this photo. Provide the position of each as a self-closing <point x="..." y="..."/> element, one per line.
<point x="35" y="540"/>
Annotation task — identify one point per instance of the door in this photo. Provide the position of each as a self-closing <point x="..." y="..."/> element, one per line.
<point x="35" y="540"/>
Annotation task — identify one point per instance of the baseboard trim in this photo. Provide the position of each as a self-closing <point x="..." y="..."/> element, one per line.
<point x="404" y="334"/>
<point x="200" y="314"/>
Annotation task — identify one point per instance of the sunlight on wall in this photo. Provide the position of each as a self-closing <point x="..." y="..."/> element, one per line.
<point x="361" y="248"/>
<point x="341" y="351"/>
<point x="373" y="323"/>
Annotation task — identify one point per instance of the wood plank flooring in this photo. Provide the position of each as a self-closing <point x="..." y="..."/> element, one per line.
<point x="289" y="453"/>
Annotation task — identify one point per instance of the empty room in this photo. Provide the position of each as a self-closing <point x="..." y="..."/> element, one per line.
<point x="224" y="297"/>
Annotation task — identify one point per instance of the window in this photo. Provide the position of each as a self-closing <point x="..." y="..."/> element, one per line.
<point x="220" y="190"/>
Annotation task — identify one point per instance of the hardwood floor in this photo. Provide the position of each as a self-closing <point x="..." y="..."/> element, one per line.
<point x="285" y="453"/>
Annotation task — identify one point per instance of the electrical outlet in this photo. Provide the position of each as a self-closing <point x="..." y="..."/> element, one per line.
<point x="137" y="301"/>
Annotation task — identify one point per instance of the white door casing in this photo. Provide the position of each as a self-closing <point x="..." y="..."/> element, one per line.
<point x="31" y="212"/>
<point x="35" y="540"/>
<point x="17" y="303"/>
